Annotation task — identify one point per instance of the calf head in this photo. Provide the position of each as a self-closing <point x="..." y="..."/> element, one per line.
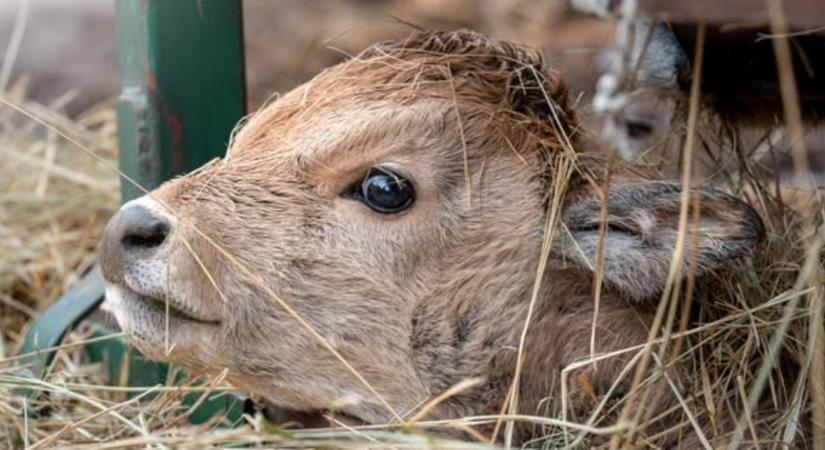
<point x="396" y="203"/>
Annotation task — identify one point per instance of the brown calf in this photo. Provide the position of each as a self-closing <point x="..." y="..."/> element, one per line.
<point x="397" y="203"/>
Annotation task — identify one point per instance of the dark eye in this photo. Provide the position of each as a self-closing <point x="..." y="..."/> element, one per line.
<point x="384" y="191"/>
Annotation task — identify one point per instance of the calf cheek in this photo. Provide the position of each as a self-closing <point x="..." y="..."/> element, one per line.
<point x="274" y="276"/>
<point x="346" y="288"/>
<point x="266" y="342"/>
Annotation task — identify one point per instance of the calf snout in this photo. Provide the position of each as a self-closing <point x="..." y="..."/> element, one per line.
<point x="135" y="239"/>
<point x="139" y="230"/>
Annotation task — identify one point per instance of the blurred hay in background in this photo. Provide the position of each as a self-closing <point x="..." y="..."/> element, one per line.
<point x="54" y="201"/>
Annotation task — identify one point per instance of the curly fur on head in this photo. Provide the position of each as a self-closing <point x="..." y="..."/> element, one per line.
<point x="494" y="72"/>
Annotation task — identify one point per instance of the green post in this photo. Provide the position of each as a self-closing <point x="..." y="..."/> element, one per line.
<point x="182" y="85"/>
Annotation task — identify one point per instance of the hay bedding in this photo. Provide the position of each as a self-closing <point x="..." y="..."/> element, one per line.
<point x="54" y="204"/>
<point x="54" y="201"/>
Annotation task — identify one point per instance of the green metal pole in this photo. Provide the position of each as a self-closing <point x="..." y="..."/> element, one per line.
<point x="182" y="85"/>
<point x="182" y="92"/>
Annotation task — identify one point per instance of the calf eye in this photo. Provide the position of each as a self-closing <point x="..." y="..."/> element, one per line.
<point x="384" y="191"/>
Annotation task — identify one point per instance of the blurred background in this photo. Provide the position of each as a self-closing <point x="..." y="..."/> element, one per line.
<point x="66" y="53"/>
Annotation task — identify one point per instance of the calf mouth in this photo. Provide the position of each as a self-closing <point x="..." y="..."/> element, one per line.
<point x="166" y="306"/>
<point x="126" y="298"/>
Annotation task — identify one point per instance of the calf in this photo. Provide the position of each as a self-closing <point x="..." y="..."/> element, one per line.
<point x="397" y="203"/>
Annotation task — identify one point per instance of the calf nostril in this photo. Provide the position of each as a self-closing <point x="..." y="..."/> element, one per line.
<point x="142" y="229"/>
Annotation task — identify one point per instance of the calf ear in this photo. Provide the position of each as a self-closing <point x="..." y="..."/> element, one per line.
<point x="642" y="231"/>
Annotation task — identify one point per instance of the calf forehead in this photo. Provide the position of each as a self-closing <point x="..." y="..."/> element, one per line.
<point x="353" y="134"/>
<point x="367" y="130"/>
